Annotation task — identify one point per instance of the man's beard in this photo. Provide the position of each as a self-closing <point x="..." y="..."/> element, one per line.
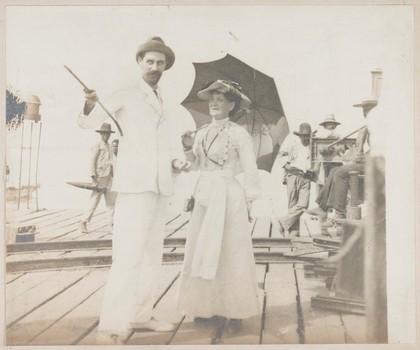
<point x="153" y="77"/>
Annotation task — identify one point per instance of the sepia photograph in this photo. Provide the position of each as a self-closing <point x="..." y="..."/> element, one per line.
<point x="208" y="175"/>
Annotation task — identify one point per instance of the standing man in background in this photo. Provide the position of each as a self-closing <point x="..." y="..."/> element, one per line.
<point x="114" y="145"/>
<point x="329" y="125"/>
<point x="148" y="154"/>
<point x="297" y="163"/>
<point x="321" y="168"/>
<point x="101" y="171"/>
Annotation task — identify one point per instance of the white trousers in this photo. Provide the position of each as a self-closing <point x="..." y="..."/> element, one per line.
<point x="137" y="246"/>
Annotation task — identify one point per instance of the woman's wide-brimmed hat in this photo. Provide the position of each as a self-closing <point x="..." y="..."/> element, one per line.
<point x="105" y="128"/>
<point x="225" y="86"/>
<point x="156" y="43"/>
<point x="329" y="118"/>
<point x="304" y="129"/>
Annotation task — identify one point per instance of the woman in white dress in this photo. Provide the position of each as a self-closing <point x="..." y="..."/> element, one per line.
<point x="219" y="276"/>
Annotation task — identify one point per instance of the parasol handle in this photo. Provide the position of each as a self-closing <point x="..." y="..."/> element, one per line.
<point x="99" y="102"/>
<point x="195" y="131"/>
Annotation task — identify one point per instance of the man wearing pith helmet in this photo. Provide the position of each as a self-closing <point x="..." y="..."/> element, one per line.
<point x="143" y="179"/>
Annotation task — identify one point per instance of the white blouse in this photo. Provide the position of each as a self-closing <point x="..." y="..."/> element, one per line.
<point x="224" y="145"/>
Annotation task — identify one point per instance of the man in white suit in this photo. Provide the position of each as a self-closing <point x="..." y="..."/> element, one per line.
<point x="148" y="154"/>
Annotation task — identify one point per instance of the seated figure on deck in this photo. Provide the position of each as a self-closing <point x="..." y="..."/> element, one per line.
<point x="333" y="194"/>
<point x="218" y="279"/>
<point x="322" y="168"/>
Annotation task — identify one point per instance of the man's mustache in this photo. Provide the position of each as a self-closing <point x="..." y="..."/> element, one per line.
<point x="154" y="74"/>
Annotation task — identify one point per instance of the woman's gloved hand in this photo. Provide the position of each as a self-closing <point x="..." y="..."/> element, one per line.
<point x="187" y="140"/>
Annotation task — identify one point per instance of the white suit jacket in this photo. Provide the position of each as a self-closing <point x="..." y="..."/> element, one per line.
<point x="146" y="150"/>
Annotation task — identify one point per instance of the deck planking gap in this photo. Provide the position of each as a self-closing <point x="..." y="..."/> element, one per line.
<point x="40" y="320"/>
<point x="59" y="219"/>
<point x="354" y="328"/>
<point x="26" y="283"/>
<point x="35" y="298"/>
<point x="11" y="277"/>
<point x="21" y="217"/>
<point x="281" y="316"/>
<point x="71" y="229"/>
<point x="321" y="327"/>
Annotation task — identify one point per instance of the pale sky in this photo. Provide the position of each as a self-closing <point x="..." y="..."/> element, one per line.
<point x="319" y="56"/>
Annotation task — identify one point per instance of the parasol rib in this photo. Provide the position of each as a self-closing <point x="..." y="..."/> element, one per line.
<point x="263" y="119"/>
<point x="273" y="88"/>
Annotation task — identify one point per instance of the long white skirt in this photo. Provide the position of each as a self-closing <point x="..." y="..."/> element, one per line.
<point x="232" y="292"/>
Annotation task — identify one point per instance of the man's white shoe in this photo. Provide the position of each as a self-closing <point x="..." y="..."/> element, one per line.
<point x="153" y="325"/>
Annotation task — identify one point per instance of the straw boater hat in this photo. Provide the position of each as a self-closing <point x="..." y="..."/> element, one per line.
<point x="329" y="118"/>
<point x="156" y="43"/>
<point x="225" y="86"/>
<point x="304" y="129"/>
<point x="105" y="129"/>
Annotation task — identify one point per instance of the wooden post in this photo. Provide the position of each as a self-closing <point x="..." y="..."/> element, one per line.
<point x="375" y="253"/>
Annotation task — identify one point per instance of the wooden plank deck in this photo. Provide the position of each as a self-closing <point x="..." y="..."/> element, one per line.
<point x="61" y="307"/>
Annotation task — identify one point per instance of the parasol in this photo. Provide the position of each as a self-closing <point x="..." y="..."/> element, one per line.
<point x="87" y="186"/>
<point x="264" y="120"/>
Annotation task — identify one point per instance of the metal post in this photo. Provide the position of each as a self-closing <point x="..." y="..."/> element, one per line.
<point x="375" y="253"/>
<point x="29" y="170"/>
<point x="37" y="163"/>
<point x="20" y="164"/>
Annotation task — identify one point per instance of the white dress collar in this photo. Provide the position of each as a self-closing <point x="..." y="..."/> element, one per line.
<point x="219" y="122"/>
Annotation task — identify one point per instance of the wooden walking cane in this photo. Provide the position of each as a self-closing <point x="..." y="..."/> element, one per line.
<point x="345" y="137"/>
<point x="99" y="102"/>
